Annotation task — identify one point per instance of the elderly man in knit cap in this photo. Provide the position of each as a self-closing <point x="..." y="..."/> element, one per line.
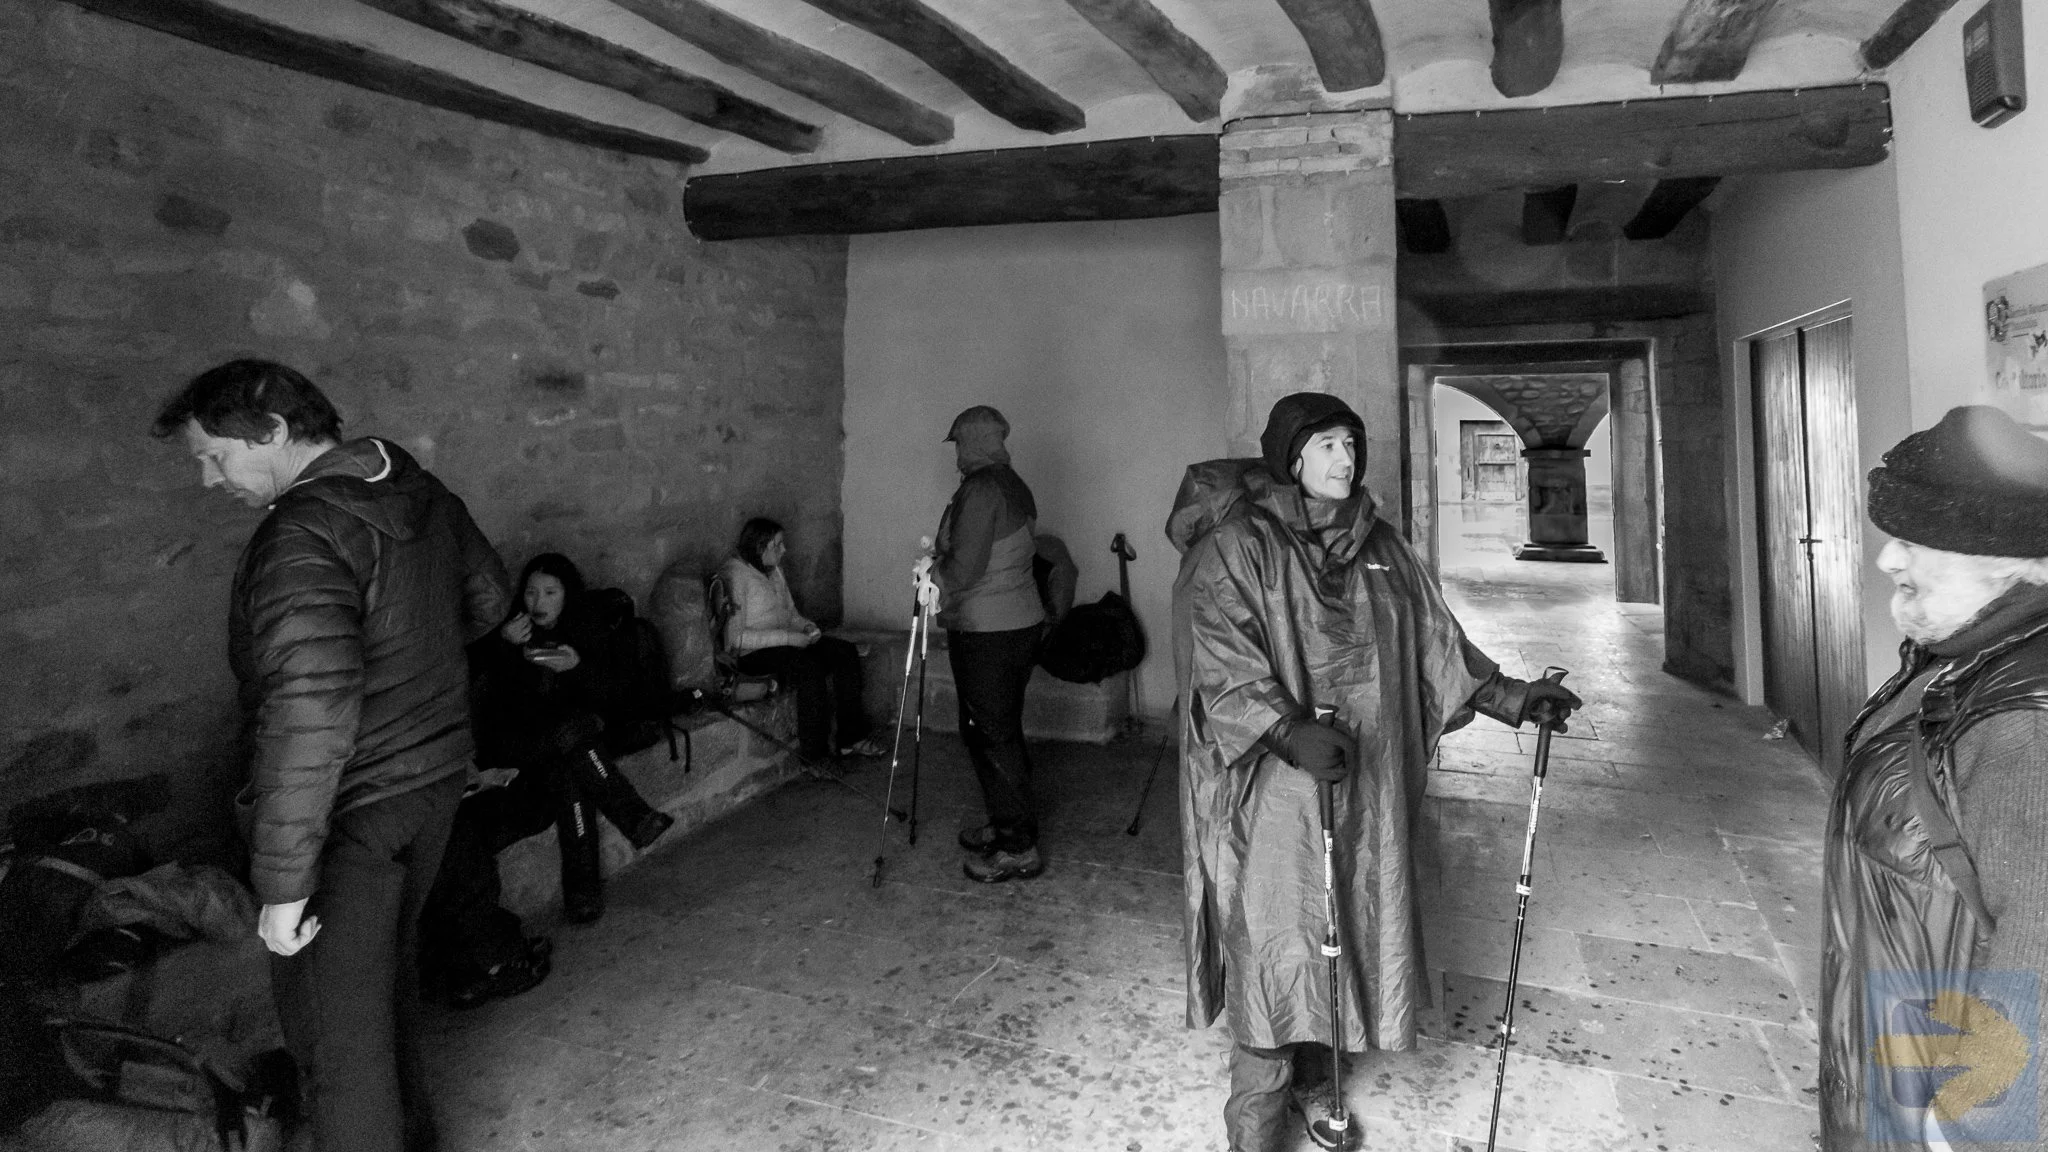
<point x="1311" y="646"/>
<point x="1937" y="846"/>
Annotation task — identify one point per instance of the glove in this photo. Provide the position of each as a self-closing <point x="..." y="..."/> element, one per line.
<point x="921" y="581"/>
<point x="1317" y="749"/>
<point x="1550" y="703"/>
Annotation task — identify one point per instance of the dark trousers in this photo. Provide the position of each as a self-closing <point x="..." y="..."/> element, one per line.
<point x="990" y="672"/>
<point x="464" y="932"/>
<point x="565" y="773"/>
<point x="1261" y="1081"/>
<point x="827" y="676"/>
<point x="349" y="1001"/>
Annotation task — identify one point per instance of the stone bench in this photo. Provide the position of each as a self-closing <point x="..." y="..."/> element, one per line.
<point x="728" y="765"/>
<point x="1053" y="708"/>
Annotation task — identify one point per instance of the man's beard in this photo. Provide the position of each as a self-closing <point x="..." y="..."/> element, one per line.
<point x="1928" y="615"/>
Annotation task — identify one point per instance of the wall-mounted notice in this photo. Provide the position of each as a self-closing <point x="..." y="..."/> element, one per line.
<point x="2016" y="342"/>
<point x="1304" y="300"/>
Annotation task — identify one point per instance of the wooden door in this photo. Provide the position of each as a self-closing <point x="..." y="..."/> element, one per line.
<point x="1490" y="462"/>
<point x="1809" y="532"/>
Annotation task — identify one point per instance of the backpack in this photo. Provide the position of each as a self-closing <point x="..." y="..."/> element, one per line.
<point x="1094" y="641"/>
<point x="131" y="1089"/>
<point x="639" y="716"/>
<point x="683" y="620"/>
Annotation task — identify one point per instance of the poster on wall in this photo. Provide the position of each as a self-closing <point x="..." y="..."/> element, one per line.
<point x="2016" y="341"/>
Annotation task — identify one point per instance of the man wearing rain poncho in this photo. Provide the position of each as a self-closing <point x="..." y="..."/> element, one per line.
<point x="1294" y="598"/>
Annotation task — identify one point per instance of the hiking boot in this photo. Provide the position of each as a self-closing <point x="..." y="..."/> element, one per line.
<point x="980" y="841"/>
<point x="649" y="829"/>
<point x="509" y="979"/>
<point x="868" y="746"/>
<point x="999" y="866"/>
<point x="1318" y="1107"/>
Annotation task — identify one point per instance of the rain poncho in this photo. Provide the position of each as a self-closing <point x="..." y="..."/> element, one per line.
<point x="1271" y="620"/>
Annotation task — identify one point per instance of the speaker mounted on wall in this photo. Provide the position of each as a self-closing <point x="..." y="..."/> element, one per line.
<point x="1994" y="63"/>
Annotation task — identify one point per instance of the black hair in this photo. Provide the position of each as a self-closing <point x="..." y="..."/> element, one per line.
<point x="238" y="399"/>
<point x="561" y="568"/>
<point x="755" y="538"/>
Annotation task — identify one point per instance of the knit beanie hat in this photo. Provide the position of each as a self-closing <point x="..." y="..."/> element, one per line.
<point x="1297" y="417"/>
<point x="1976" y="483"/>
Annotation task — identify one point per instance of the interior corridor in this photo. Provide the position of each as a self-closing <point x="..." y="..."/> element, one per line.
<point x="749" y="988"/>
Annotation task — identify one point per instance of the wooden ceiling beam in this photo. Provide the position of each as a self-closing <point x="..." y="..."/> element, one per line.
<point x="1552" y="305"/>
<point x="1547" y="214"/>
<point x="1666" y="205"/>
<point x="1710" y="40"/>
<point x="1442" y="154"/>
<point x="988" y="78"/>
<point x="573" y="52"/>
<point x="1101" y="180"/>
<point x="1528" y="44"/>
<point x="784" y="62"/>
<point x="1422" y="227"/>
<point x="1343" y="39"/>
<point x="1182" y="68"/>
<point x="242" y="34"/>
<point x="1907" y="23"/>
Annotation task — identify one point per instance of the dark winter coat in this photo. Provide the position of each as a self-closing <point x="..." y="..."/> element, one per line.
<point x="1903" y="906"/>
<point x="985" y="544"/>
<point x="1271" y="620"/>
<point x="604" y="699"/>
<point x="351" y="607"/>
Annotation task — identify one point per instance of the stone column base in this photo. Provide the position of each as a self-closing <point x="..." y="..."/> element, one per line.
<point x="1566" y="553"/>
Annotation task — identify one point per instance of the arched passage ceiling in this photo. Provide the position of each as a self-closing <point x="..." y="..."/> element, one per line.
<point x="730" y="86"/>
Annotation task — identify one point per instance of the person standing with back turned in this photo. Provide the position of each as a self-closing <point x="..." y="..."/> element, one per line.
<point x="350" y="609"/>
<point x="1312" y="647"/>
<point x="991" y="611"/>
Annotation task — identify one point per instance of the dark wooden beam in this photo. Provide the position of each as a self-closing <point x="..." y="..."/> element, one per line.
<point x="1102" y="180"/>
<point x="1528" y="44"/>
<point x="1181" y="68"/>
<point x="1907" y="23"/>
<point x="1466" y="153"/>
<point x="1666" y="205"/>
<point x="1710" y="40"/>
<point x="573" y="52"/>
<point x="985" y="75"/>
<point x="1500" y="357"/>
<point x="1547" y="214"/>
<point x="1343" y="39"/>
<point x="242" y="34"/>
<point x="784" y="62"/>
<point x="1422" y="227"/>
<point x="1553" y="305"/>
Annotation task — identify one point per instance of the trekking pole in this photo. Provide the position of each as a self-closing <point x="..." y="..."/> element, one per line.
<point x="1544" y="727"/>
<point x="924" y="648"/>
<point x="811" y="767"/>
<point x="1333" y="948"/>
<point x="1124" y="555"/>
<point x="920" y="617"/>
<point x="1146" y="792"/>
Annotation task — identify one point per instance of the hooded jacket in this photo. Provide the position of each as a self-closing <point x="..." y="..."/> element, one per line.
<point x="985" y="543"/>
<point x="1273" y="619"/>
<point x="351" y="608"/>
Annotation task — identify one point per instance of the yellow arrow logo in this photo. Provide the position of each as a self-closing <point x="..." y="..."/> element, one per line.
<point x="1989" y="1049"/>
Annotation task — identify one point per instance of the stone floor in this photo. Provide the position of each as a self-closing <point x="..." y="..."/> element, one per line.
<point x="749" y="988"/>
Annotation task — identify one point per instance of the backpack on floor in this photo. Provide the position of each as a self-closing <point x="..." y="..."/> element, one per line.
<point x="1094" y="641"/>
<point x="133" y="1090"/>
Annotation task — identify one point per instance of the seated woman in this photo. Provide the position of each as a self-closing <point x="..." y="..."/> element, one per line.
<point x="771" y="638"/>
<point x="557" y="703"/>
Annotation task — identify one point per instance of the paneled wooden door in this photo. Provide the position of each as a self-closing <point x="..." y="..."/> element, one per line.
<point x="1810" y="531"/>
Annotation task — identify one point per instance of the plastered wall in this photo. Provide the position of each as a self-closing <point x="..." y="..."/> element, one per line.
<point x="1100" y="342"/>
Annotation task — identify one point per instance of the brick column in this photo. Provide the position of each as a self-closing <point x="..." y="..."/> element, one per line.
<point x="1307" y="215"/>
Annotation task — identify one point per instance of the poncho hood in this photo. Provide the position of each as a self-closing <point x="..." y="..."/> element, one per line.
<point x="1210" y="489"/>
<point x="1297" y="417"/>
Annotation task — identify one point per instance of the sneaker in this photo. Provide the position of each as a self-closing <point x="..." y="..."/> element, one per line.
<point x="649" y="829"/>
<point x="869" y="746"/>
<point x="999" y="866"/>
<point x="1319" y="1113"/>
<point x="980" y="841"/>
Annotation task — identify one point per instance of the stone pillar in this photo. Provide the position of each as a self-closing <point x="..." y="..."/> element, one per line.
<point x="1557" y="507"/>
<point x="1307" y="215"/>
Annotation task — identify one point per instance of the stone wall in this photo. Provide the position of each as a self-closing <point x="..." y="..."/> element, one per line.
<point x="527" y="316"/>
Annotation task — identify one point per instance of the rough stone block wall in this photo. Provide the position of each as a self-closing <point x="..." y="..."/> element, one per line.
<point x="528" y="316"/>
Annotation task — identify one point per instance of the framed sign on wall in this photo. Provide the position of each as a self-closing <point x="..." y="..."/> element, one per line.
<point x="2016" y="344"/>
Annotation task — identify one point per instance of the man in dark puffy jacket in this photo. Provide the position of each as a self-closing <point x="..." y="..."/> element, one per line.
<point x="1936" y="873"/>
<point x="351" y="607"/>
